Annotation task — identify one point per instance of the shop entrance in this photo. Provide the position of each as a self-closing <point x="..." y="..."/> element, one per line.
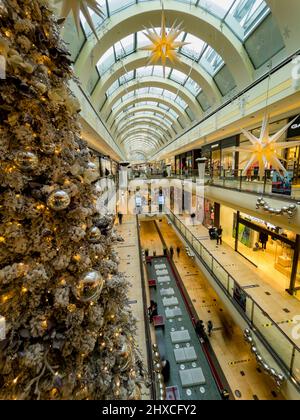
<point x="270" y="248"/>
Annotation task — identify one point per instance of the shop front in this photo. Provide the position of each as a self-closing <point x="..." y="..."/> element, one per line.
<point x="266" y="246"/>
<point x="211" y="213"/>
<point x="222" y="160"/>
<point x="293" y="154"/>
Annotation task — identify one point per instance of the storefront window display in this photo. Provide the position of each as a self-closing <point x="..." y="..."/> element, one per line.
<point x="268" y="247"/>
<point x="209" y="213"/>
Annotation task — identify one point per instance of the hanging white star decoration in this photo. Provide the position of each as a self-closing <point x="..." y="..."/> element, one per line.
<point x="83" y="6"/>
<point x="164" y="46"/>
<point x="264" y="150"/>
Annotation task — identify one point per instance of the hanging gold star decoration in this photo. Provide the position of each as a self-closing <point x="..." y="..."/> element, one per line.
<point x="164" y="46"/>
<point x="77" y="6"/>
<point x="264" y="150"/>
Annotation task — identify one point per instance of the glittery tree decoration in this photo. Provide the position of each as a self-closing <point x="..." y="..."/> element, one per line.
<point x="164" y="46"/>
<point x="66" y="331"/>
<point x="265" y="149"/>
<point x="83" y="6"/>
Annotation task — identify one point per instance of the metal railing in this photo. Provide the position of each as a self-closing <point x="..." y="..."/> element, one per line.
<point x="283" y="349"/>
<point x="237" y="181"/>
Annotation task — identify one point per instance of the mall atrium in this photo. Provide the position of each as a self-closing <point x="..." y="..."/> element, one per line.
<point x="149" y="200"/>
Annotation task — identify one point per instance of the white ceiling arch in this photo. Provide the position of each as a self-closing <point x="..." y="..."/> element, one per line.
<point x="142" y="124"/>
<point x="147" y="119"/>
<point x="140" y="59"/>
<point x="149" y="98"/>
<point x="202" y="25"/>
<point x="137" y="140"/>
<point x="145" y="109"/>
<point x="146" y="131"/>
<point x="155" y="82"/>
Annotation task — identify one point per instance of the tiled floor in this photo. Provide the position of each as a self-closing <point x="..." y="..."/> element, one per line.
<point x="128" y="252"/>
<point x="233" y="354"/>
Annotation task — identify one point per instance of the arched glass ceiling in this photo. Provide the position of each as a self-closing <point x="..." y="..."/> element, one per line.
<point x="145" y="104"/>
<point x="241" y="16"/>
<point x="152" y="91"/>
<point x="197" y="50"/>
<point x="156" y="71"/>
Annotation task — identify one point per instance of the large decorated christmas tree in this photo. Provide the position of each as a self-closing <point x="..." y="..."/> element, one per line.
<point x="69" y="333"/>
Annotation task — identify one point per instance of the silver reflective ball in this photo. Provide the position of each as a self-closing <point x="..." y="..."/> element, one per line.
<point x="156" y="356"/>
<point x="259" y="358"/>
<point x="278" y="212"/>
<point x="293" y="207"/>
<point x="250" y="340"/>
<point x="89" y="286"/>
<point x="266" y="208"/>
<point x="157" y="367"/>
<point x="26" y="161"/>
<point x="59" y="200"/>
<point x="247" y="332"/>
<point x="285" y="209"/>
<point x="280" y="377"/>
<point x="273" y="372"/>
<point x="254" y="349"/>
<point x="266" y="367"/>
<point x="94" y="235"/>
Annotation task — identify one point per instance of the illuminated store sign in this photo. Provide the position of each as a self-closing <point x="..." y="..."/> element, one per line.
<point x="294" y="130"/>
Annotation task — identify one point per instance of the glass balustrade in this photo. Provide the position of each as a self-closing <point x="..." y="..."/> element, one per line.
<point x="281" y="344"/>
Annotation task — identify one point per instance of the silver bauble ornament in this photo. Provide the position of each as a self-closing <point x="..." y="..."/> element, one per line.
<point x="155" y="347"/>
<point x="156" y="356"/>
<point x="285" y="209"/>
<point x="254" y="349"/>
<point x="259" y="359"/>
<point x="293" y="207"/>
<point x="250" y="340"/>
<point x="273" y="372"/>
<point x="157" y="367"/>
<point x="26" y="161"/>
<point x="48" y="148"/>
<point x="94" y="235"/>
<point x="247" y="332"/>
<point x="266" y="208"/>
<point x="278" y="212"/>
<point x="266" y="367"/>
<point x="59" y="200"/>
<point x="280" y="378"/>
<point x="89" y="286"/>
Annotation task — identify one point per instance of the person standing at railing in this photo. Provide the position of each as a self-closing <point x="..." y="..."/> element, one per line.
<point x="172" y="252"/>
<point x="220" y="236"/>
<point x="178" y="251"/>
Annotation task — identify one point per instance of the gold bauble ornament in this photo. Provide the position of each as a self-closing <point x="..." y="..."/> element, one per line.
<point x="90" y="286"/>
<point x="26" y="161"/>
<point x="58" y="200"/>
<point x="94" y="235"/>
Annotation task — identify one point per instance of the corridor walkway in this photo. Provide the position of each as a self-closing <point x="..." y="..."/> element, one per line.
<point x="128" y="252"/>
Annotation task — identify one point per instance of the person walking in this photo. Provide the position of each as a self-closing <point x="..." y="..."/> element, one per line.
<point x="210" y="327"/>
<point x="172" y="252"/>
<point x="200" y="328"/>
<point x="220" y="236"/>
<point x="165" y="371"/>
<point x="120" y="217"/>
<point x="178" y="251"/>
